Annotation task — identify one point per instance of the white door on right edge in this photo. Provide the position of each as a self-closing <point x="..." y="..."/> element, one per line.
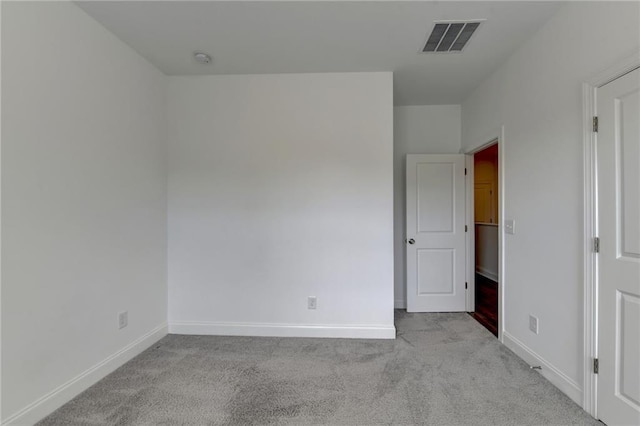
<point x="618" y="153"/>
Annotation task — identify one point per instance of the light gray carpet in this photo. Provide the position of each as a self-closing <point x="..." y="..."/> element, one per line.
<point x="443" y="369"/>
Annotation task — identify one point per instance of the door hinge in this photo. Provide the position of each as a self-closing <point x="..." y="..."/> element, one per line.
<point x="596" y="366"/>
<point x="465" y="171"/>
<point x="466" y="286"/>
<point x="596" y="245"/>
<point x="595" y="124"/>
<point x="466" y="228"/>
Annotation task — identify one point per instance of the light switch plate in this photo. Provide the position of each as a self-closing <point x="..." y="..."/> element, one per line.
<point x="510" y="226"/>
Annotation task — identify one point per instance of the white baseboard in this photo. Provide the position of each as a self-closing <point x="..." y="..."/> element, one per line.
<point x="284" y="330"/>
<point x="487" y="273"/>
<point x="549" y="371"/>
<point x="55" y="399"/>
<point x="399" y="304"/>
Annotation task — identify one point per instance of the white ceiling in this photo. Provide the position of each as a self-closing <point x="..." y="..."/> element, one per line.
<point x="325" y="36"/>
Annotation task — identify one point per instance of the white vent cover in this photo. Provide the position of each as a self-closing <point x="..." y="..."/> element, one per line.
<point x="450" y="36"/>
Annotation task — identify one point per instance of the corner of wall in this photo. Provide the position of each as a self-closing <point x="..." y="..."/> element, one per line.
<point x="1" y="6"/>
<point x="64" y="393"/>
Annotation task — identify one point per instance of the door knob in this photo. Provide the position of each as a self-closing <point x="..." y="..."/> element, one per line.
<point x="411" y="241"/>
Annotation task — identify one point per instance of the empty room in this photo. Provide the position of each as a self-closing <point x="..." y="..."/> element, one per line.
<point x="320" y="212"/>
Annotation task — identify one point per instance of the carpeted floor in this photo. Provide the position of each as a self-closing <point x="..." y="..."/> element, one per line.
<point x="443" y="369"/>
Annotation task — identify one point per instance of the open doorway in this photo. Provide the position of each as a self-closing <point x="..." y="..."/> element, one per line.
<point x="486" y="235"/>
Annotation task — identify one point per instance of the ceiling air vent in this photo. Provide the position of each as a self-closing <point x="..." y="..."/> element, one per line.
<point x="450" y="36"/>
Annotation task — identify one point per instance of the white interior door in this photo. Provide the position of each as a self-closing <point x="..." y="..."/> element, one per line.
<point x="435" y="233"/>
<point x="618" y="153"/>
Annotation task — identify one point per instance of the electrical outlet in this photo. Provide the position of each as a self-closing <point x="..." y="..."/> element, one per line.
<point x="533" y="324"/>
<point x="123" y="319"/>
<point x="312" y="302"/>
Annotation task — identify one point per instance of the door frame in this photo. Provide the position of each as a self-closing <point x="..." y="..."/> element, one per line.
<point x="495" y="137"/>
<point x="590" y="218"/>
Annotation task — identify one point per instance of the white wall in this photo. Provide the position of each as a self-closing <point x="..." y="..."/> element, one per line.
<point x="83" y="205"/>
<point x="536" y="95"/>
<point x="280" y="188"/>
<point x="428" y="129"/>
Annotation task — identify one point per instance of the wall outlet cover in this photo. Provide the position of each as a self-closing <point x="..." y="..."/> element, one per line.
<point x="123" y="319"/>
<point x="312" y="302"/>
<point x="533" y="324"/>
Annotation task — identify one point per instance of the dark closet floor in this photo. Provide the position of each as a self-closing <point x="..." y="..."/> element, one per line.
<point x="486" y="312"/>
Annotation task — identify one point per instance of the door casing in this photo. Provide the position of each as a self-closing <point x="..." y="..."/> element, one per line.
<point x="496" y="136"/>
